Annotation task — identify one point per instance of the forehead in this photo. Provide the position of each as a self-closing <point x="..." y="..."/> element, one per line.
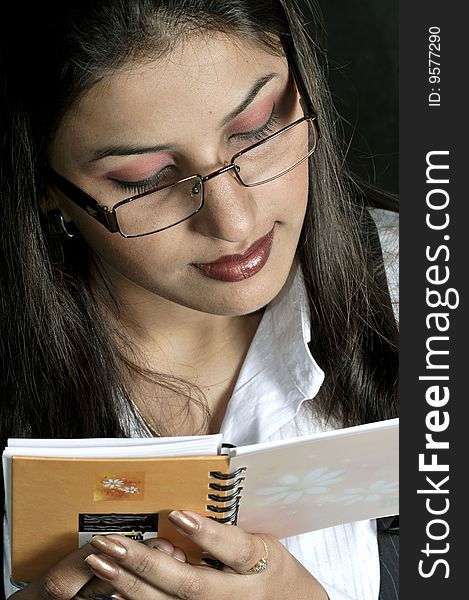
<point x="202" y="78"/>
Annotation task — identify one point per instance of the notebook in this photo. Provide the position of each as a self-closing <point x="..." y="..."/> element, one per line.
<point x="59" y="493"/>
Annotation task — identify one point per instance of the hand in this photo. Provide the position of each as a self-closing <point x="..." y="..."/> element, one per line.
<point x="71" y="578"/>
<point x="137" y="572"/>
<point x="63" y="581"/>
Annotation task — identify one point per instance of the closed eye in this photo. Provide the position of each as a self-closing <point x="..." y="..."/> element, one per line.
<point x="166" y="176"/>
<point x="254" y="135"/>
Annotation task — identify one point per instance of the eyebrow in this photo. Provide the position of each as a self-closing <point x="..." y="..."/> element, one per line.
<point x="255" y="89"/>
<point x="128" y="150"/>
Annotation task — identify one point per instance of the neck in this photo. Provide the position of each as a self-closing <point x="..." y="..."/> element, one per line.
<point x="186" y="347"/>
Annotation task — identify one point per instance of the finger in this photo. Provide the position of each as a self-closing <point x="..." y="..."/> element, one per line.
<point x="99" y="595"/>
<point x="112" y="547"/>
<point x="125" y="583"/>
<point x="139" y="572"/>
<point x="230" y="544"/>
<point x="96" y="589"/>
<point x="166" y="546"/>
<point x="65" y="579"/>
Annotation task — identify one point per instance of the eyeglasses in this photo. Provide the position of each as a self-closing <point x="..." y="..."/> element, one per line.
<point x="172" y="203"/>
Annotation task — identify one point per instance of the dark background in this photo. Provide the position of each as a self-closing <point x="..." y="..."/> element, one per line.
<point x="362" y="44"/>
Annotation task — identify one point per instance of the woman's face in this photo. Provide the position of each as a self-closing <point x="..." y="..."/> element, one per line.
<point x="192" y="110"/>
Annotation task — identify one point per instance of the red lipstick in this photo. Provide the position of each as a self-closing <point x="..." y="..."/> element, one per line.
<point x="236" y="267"/>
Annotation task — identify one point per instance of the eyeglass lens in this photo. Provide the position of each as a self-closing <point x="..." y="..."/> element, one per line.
<point x="268" y="160"/>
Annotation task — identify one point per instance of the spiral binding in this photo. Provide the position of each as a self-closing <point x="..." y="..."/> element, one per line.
<point x="226" y="502"/>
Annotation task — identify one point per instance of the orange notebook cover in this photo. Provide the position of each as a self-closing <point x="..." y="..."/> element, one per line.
<point x="59" y="500"/>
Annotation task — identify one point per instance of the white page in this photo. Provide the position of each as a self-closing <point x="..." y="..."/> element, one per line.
<point x="318" y="481"/>
<point x="190" y="446"/>
<point x="108" y="442"/>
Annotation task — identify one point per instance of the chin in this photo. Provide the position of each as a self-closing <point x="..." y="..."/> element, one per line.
<point x="240" y="298"/>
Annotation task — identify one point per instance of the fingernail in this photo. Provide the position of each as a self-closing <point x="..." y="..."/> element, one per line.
<point x="102" y="567"/>
<point x="109" y="546"/>
<point x="179" y="555"/>
<point x="106" y="597"/>
<point x="184" y="522"/>
<point x="164" y="546"/>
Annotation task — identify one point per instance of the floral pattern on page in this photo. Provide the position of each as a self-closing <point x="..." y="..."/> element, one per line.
<point x="314" y="482"/>
<point x="378" y="491"/>
<point x="291" y="488"/>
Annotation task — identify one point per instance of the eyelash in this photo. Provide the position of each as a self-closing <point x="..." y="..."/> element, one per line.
<point x="259" y="134"/>
<point x="139" y="187"/>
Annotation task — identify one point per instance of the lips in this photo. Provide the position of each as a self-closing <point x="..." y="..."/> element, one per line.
<point x="236" y="267"/>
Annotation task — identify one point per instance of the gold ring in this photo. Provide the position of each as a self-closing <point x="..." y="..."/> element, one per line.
<point x="261" y="565"/>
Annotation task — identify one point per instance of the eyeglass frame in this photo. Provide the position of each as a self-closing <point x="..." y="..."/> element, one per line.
<point x="107" y="216"/>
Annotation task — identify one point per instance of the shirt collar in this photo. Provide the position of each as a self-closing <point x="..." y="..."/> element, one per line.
<point x="278" y="373"/>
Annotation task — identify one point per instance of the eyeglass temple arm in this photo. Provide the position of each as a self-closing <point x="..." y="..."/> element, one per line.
<point x="305" y="98"/>
<point x="101" y="213"/>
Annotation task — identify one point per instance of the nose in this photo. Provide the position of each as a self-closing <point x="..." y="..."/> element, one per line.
<point x="229" y="211"/>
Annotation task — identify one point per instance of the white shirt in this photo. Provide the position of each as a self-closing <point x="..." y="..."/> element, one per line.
<point x="268" y="403"/>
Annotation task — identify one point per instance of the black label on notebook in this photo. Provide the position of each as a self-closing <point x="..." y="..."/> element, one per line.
<point x="136" y="526"/>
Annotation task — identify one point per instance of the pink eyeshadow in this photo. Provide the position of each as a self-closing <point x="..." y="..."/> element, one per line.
<point x="139" y="167"/>
<point x="254" y="116"/>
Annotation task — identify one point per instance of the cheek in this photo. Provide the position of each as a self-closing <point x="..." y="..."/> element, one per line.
<point x="301" y="184"/>
<point x="289" y="195"/>
<point x="130" y="256"/>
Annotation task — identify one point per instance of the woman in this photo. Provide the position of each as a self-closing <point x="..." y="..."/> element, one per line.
<point x="172" y="198"/>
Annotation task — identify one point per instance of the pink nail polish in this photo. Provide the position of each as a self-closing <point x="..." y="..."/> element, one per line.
<point x="184" y="522"/>
<point x="109" y="545"/>
<point x="164" y="546"/>
<point x="179" y="555"/>
<point x="102" y="566"/>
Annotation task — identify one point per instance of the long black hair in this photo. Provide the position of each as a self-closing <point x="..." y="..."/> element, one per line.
<point x="63" y="372"/>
